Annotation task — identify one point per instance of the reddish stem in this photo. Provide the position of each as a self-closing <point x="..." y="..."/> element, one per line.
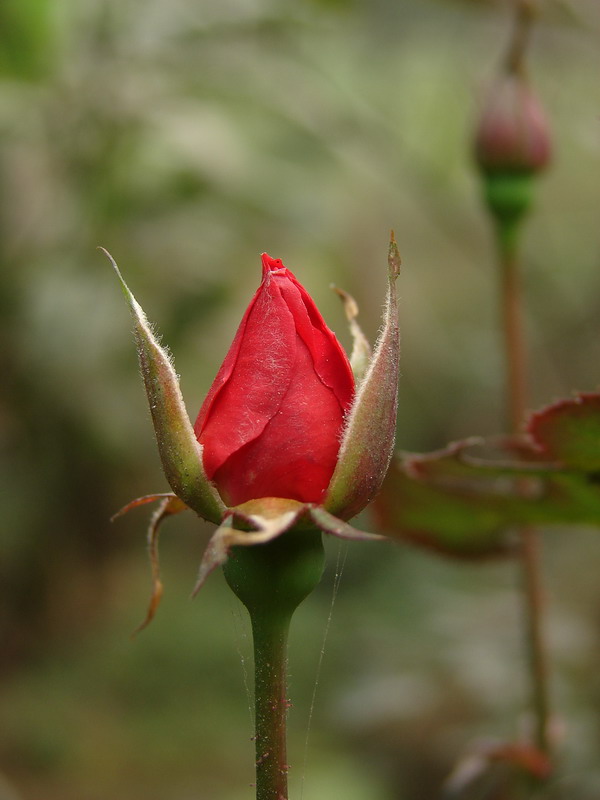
<point x="525" y="12"/>
<point x="530" y="540"/>
<point x="534" y="611"/>
<point x="516" y="381"/>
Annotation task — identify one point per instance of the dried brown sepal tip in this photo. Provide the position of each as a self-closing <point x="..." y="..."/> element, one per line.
<point x="170" y="505"/>
<point x="361" y="349"/>
<point x="394" y="260"/>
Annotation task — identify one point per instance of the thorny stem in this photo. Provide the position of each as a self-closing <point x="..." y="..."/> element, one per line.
<point x="530" y="539"/>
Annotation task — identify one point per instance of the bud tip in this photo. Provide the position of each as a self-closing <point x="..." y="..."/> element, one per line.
<point x="270" y="264"/>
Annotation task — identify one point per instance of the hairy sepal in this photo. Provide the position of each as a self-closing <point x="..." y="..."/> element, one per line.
<point x="180" y="452"/>
<point x="369" y="433"/>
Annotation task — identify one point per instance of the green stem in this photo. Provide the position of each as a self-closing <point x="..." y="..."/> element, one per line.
<point x="530" y="539"/>
<point x="270" y="696"/>
<point x="272" y="580"/>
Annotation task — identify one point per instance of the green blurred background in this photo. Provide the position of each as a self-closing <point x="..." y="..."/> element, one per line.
<point x="188" y="136"/>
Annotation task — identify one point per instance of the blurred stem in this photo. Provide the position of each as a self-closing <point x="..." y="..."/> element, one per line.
<point x="530" y="540"/>
<point x="512" y="326"/>
<point x="534" y="610"/>
<point x="525" y="12"/>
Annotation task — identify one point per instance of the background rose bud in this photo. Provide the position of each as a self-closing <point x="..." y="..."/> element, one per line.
<point x="512" y="145"/>
<point x="513" y="133"/>
<point x="270" y="425"/>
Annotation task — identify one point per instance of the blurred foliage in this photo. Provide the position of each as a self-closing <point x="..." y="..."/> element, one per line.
<point x="186" y="138"/>
<point x="26" y="38"/>
<point x="467" y="499"/>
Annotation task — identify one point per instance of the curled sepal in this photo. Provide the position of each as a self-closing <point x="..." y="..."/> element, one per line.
<point x="361" y="349"/>
<point x="369" y="432"/>
<point x="260" y="521"/>
<point x="142" y="501"/>
<point x="254" y="522"/>
<point x="180" y="452"/>
<point x="170" y="504"/>
<point x="327" y="523"/>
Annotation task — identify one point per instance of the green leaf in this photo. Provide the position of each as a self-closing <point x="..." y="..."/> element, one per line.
<point x="26" y="38"/>
<point x="466" y="504"/>
<point x="451" y="514"/>
<point x="568" y="431"/>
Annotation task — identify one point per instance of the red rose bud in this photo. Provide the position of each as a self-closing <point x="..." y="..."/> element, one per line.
<point x="308" y="436"/>
<point x="513" y="134"/>
<point x="282" y="435"/>
<point x="272" y="421"/>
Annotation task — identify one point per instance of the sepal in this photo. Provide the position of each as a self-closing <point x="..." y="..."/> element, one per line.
<point x="253" y="523"/>
<point x="180" y="452"/>
<point x="260" y="521"/>
<point x="361" y="349"/>
<point x="369" y="433"/>
<point x="170" y="504"/>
